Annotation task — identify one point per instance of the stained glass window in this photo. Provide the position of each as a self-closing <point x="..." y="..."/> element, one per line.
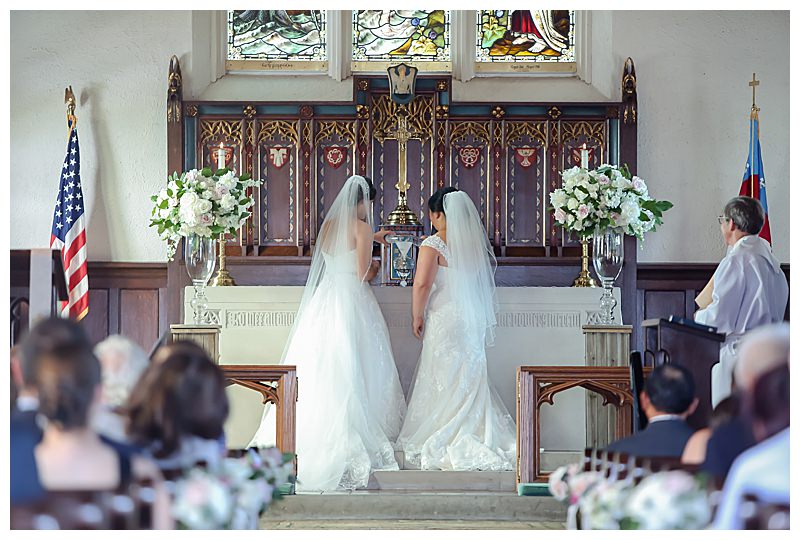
<point x="390" y="36"/>
<point x="523" y="40"/>
<point x="276" y="38"/>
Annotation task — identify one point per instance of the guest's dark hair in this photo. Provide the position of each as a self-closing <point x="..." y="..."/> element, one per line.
<point x="725" y="411"/>
<point x="183" y="395"/>
<point x="770" y="400"/>
<point x="746" y="213"/>
<point x="436" y="201"/>
<point x="670" y="388"/>
<point x="66" y="380"/>
<point x="372" y="190"/>
<point x="46" y="336"/>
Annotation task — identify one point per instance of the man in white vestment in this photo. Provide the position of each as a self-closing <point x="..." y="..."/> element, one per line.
<point x="749" y="287"/>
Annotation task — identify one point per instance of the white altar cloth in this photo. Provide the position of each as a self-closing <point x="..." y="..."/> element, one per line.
<point x="536" y="326"/>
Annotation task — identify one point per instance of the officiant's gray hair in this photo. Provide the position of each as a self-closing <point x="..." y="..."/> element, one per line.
<point x="123" y="363"/>
<point x="761" y="350"/>
<point x="746" y="213"/>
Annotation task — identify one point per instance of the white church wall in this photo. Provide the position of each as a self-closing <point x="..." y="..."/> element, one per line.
<point x="692" y="67"/>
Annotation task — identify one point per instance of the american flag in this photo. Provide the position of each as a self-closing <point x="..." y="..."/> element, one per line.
<point x="753" y="184"/>
<point x="69" y="233"/>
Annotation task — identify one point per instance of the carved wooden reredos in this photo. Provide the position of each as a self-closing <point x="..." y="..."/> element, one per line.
<point x="507" y="156"/>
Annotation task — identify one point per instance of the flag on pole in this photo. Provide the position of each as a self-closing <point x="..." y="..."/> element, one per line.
<point x="753" y="184"/>
<point x="69" y="233"/>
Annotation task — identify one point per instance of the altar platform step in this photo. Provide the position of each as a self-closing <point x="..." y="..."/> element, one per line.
<point x="371" y="509"/>
<point x="443" y="481"/>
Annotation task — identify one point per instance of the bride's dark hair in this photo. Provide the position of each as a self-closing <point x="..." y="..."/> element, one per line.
<point x="372" y="191"/>
<point x="436" y="201"/>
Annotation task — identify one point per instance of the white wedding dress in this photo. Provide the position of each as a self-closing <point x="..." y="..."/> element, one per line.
<point x="350" y="403"/>
<point x="455" y="419"/>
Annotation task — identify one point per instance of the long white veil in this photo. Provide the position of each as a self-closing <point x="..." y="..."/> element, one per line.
<point x="472" y="265"/>
<point x="336" y="238"/>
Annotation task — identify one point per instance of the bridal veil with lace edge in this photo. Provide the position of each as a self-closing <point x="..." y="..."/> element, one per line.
<point x="455" y="419"/>
<point x="350" y="403"/>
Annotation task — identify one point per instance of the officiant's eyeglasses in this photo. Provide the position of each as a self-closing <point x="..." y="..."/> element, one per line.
<point x="723" y="219"/>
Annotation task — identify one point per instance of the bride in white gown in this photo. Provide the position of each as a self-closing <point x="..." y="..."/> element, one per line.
<point x="350" y="403"/>
<point x="455" y="419"/>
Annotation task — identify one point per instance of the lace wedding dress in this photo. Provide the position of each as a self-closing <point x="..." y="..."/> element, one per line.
<point x="350" y="403"/>
<point x="455" y="419"/>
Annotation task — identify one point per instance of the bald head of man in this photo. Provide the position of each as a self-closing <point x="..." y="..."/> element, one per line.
<point x="761" y="350"/>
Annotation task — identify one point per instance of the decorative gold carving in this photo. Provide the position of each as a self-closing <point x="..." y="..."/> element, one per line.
<point x="402" y="215"/>
<point x="442" y="112"/>
<point x="174" y="91"/>
<point x="363" y="134"/>
<point x="283" y="128"/>
<point x="554" y="112"/>
<point x="223" y="129"/>
<point x="478" y="130"/>
<point x="306" y="111"/>
<point x="441" y="133"/>
<point x="498" y="112"/>
<point x="441" y="85"/>
<point x="420" y="115"/>
<point x="362" y="112"/>
<point x="534" y="130"/>
<point x="191" y="110"/>
<point x="307" y="132"/>
<point x="344" y="129"/>
<point x="249" y="112"/>
<point x="363" y="84"/>
<point x="590" y="130"/>
<point x="629" y="92"/>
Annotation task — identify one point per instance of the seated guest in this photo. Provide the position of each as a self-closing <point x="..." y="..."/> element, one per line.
<point x="25" y="486"/>
<point x="725" y="411"/>
<point x="763" y="470"/>
<point x="749" y="287"/>
<point x="122" y="363"/>
<point x="760" y="351"/>
<point x="667" y="399"/>
<point x="178" y="409"/>
<point x="71" y="456"/>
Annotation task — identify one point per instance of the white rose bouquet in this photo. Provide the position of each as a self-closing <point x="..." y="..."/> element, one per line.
<point x="201" y="202"/>
<point x="608" y="197"/>
<point x="668" y="500"/>
<point x="234" y="494"/>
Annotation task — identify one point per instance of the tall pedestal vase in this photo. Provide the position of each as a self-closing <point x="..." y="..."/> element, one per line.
<point x="584" y="279"/>
<point x="608" y="256"/>
<point x="200" y="255"/>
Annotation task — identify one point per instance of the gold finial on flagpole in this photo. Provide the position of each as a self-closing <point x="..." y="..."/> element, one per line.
<point x="755" y="82"/>
<point x="69" y="101"/>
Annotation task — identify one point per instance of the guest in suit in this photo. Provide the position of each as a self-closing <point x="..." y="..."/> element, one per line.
<point x="122" y="364"/>
<point x="668" y="399"/>
<point x="178" y="409"/>
<point x="762" y="470"/>
<point x="25" y="485"/>
<point x="760" y="351"/>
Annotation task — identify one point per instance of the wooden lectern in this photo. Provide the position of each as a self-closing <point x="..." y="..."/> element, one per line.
<point x="689" y="346"/>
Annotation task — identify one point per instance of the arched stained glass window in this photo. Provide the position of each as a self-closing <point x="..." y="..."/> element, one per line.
<point x="383" y="37"/>
<point x="276" y="39"/>
<point x="525" y="40"/>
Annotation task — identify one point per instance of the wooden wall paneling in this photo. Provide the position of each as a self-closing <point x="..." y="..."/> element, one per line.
<point x="96" y="321"/>
<point x="525" y="205"/>
<point x="277" y="166"/>
<point x="471" y="164"/>
<point x="138" y="316"/>
<point x="335" y="161"/>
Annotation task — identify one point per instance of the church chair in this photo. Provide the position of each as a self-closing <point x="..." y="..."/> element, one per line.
<point x="588" y="453"/>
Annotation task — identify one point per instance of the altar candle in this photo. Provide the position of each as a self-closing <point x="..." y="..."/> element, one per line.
<point x="221" y="157"/>
<point x="584" y="157"/>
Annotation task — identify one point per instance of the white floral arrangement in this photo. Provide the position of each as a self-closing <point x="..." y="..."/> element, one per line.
<point x="201" y="202"/>
<point x="668" y="500"/>
<point x="558" y="482"/>
<point x="608" y="197"/>
<point x="234" y="494"/>
<point x="603" y="507"/>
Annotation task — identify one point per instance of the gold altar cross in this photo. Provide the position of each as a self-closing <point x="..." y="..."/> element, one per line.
<point x="753" y="84"/>
<point x="402" y="134"/>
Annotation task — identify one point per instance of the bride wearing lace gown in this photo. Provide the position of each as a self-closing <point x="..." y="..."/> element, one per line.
<point x="350" y="403"/>
<point x="455" y="419"/>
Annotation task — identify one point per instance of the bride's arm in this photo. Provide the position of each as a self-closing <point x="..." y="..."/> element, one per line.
<point x="423" y="282"/>
<point x="364" y="250"/>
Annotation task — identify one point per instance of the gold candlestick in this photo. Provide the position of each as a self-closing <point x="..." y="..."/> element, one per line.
<point x="223" y="277"/>
<point x="584" y="279"/>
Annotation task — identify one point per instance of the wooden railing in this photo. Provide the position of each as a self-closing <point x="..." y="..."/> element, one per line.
<point x="537" y="385"/>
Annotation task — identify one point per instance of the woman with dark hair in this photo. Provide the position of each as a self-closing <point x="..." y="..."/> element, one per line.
<point x="694" y="453"/>
<point x="71" y="456"/>
<point x="352" y="405"/>
<point x="178" y="409"/>
<point x="456" y="420"/>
